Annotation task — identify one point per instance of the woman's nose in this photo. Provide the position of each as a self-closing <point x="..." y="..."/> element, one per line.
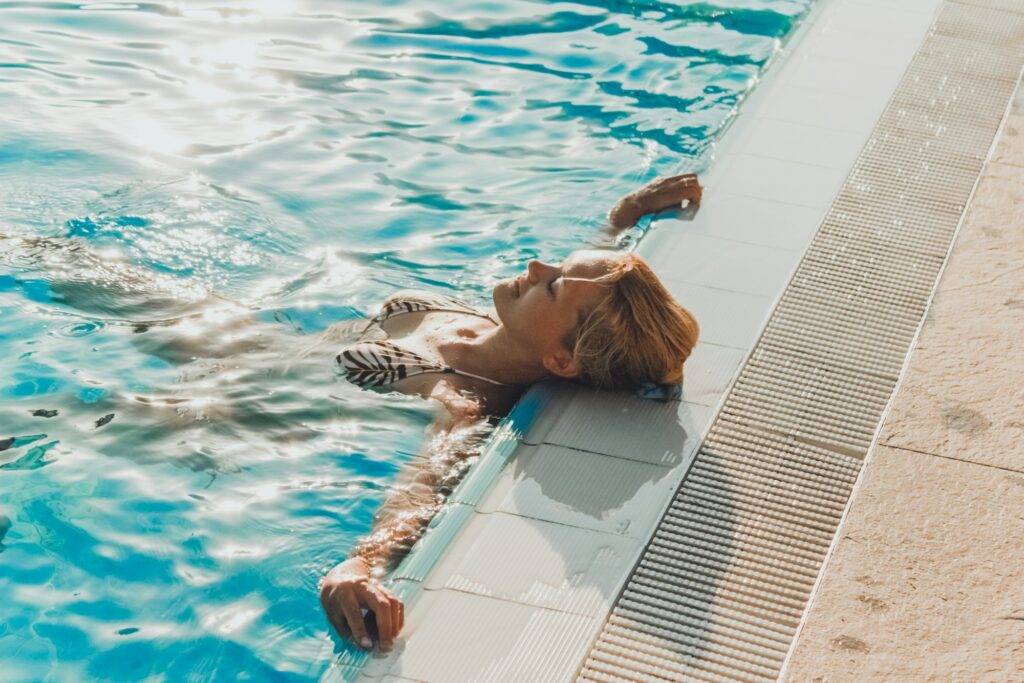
<point x="534" y="270"/>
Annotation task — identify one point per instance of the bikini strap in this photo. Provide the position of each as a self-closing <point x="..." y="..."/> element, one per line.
<point x="413" y="301"/>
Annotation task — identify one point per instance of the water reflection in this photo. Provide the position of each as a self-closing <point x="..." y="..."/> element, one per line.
<point x="197" y="200"/>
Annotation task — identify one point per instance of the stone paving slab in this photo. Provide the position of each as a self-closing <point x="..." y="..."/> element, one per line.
<point x="1010" y="149"/>
<point x="963" y="394"/>
<point x="925" y="582"/>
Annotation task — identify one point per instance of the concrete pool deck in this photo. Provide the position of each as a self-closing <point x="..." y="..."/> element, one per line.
<point x="535" y="556"/>
<point x="924" y="582"/>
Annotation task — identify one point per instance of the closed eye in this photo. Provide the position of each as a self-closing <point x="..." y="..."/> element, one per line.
<point x="551" y="287"/>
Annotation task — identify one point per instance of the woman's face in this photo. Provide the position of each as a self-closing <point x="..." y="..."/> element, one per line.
<point x="539" y="307"/>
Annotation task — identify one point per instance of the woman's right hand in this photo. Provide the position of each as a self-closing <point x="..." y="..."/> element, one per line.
<point x="657" y="195"/>
<point x="347" y="590"/>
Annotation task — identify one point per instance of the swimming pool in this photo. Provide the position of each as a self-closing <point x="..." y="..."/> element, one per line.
<point x="164" y="516"/>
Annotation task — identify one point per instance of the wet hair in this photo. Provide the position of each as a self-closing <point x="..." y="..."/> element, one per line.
<point x="638" y="334"/>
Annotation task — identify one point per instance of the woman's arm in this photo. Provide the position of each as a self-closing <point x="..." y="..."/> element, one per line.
<point x="658" y="195"/>
<point x="352" y="586"/>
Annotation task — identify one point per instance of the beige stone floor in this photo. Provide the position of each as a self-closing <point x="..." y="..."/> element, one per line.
<point x="927" y="580"/>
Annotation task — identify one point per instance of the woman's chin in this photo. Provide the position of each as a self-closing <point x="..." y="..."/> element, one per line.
<point x="502" y="295"/>
<point x="504" y="290"/>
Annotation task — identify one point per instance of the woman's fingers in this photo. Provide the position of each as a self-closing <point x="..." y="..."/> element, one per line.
<point x="354" y="616"/>
<point x="397" y="614"/>
<point x="381" y="606"/>
<point x="333" y="611"/>
<point x="340" y="625"/>
<point x="347" y="591"/>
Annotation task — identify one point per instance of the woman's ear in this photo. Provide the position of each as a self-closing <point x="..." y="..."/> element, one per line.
<point x="561" y="364"/>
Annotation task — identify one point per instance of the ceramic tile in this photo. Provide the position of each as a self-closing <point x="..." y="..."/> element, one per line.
<point x="872" y="50"/>
<point x="748" y="219"/>
<point x="843" y="76"/>
<point x="709" y="371"/>
<point x="851" y="112"/>
<point x="379" y="663"/>
<point x="922" y="7"/>
<point x="726" y="318"/>
<point x="500" y="447"/>
<point x="781" y="181"/>
<point x="403" y="589"/>
<point x="852" y="31"/>
<point x="456" y="636"/>
<point x="924" y="581"/>
<point x="440" y="533"/>
<point x="344" y="673"/>
<point x="606" y="422"/>
<point x="538" y="563"/>
<point x="719" y="263"/>
<point x="801" y="143"/>
<point x="583" y="489"/>
<point x="898" y="23"/>
<point x="558" y="395"/>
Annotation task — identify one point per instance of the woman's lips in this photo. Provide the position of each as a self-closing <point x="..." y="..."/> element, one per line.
<point x="516" y="283"/>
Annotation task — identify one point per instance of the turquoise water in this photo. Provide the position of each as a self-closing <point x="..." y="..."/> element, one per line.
<point x="192" y="195"/>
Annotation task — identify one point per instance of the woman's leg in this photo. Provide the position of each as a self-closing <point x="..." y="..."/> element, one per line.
<point x="173" y="318"/>
<point x="94" y="282"/>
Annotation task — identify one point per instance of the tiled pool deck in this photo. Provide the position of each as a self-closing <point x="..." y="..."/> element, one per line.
<point x="534" y="561"/>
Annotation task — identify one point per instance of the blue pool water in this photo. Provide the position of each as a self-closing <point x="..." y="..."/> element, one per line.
<point x="170" y="493"/>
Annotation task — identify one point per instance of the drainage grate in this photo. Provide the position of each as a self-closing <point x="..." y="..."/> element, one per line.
<point x="723" y="583"/>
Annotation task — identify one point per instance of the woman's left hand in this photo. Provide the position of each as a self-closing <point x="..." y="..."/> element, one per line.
<point x="347" y="590"/>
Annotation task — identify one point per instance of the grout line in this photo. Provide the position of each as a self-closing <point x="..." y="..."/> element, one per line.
<point x="769" y="157"/>
<point x="831" y="129"/>
<point x="607" y="455"/>
<point x="985" y="5"/>
<point x="767" y="247"/>
<point x="953" y="458"/>
<point x="534" y="518"/>
<point x="509" y="601"/>
<point x="722" y="289"/>
<point x="550" y="521"/>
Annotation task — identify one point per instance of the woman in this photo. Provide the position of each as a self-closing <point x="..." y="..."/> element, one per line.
<point x="601" y="318"/>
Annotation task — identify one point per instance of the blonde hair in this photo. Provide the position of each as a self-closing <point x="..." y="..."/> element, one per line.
<point x="637" y="334"/>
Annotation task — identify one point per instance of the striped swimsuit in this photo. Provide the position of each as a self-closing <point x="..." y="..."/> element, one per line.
<point x="380" y="363"/>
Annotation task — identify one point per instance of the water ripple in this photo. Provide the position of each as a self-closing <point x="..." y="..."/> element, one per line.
<point x="428" y="23"/>
<point x="203" y="202"/>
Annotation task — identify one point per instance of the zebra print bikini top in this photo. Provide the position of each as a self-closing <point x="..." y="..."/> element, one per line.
<point x="379" y="363"/>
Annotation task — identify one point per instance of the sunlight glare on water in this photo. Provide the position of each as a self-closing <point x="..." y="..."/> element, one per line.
<point x="192" y="194"/>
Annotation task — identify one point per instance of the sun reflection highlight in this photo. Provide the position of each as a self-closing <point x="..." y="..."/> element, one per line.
<point x="231" y="618"/>
<point x="154" y="136"/>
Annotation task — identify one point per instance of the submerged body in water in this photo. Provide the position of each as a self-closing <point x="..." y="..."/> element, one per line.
<point x="551" y="321"/>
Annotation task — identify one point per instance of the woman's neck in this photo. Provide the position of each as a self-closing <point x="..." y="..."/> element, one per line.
<point x="490" y="353"/>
